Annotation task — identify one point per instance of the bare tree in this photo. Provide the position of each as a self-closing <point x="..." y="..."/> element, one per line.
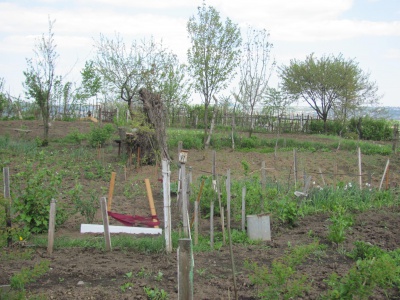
<point x="120" y="67"/>
<point x="255" y="70"/>
<point x="40" y="76"/>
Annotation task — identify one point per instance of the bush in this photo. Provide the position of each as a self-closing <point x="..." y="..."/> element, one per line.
<point x="99" y="135"/>
<point x="375" y="129"/>
<point x="317" y="126"/>
<point x="35" y="188"/>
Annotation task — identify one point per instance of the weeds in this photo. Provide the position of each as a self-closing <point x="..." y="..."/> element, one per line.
<point x="155" y="293"/>
<point x="281" y="281"/>
<point x="26" y="275"/>
<point x="340" y="223"/>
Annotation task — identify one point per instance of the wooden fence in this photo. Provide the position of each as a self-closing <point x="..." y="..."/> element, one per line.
<point x="290" y="123"/>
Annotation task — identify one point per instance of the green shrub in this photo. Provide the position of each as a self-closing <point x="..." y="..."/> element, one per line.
<point x="34" y="188"/>
<point x="363" y="278"/>
<point x="317" y="126"/>
<point x="87" y="205"/>
<point x="99" y="135"/>
<point x="281" y="280"/>
<point x="74" y="137"/>
<point x="20" y="279"/>
<point x="375" y="129"/>
<point x="340" y="223"/>
<point x="363" y="250"/>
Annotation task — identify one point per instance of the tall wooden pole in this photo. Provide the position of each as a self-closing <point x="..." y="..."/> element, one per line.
<point x="167" y="205"/>
<point x="359" y="168"/>
<point x="185" y="220"/>
<point x="244" y="208"/>
<point x="7" y="198"/>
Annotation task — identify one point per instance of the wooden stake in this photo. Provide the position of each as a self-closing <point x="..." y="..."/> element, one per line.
<point x="7" y="198"/>
<point x="167" y="204"/>
<point x="295" y="167"/>
<point x="322" y="176"/>
<point x="232" y="263"/>
<point x="111" y="190"/>
<point x="151" y="200"/>
<point x="221" y="211"/>
<point x="244" y="208"/>
<point x="52" y="225"/>
<point x="212" y="223"/>
<point x="185" y="220"/>
<point x="185" y="270"/>
<point x="359" y="168"/>
<point x="196" y="223"/>
<point x="384" y="174"/>
<point x="387" y="177"/>
<point x="228" y="197"/>
<point x="107" y="237"/>
<point x="263" y="183"/>
<point x="198" y="200"/>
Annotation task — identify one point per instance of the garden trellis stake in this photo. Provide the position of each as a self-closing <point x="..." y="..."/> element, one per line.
<point x="52" y="225"/>
<point x="167" y="204"/>
<point x="384" y="173"/>
<point x="7" y="203"/>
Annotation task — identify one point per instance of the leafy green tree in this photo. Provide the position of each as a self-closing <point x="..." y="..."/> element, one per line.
<point x="40" y="76"/>
<point x="120" y="67"/>
<point x="275" y="102"/>
<point x="91" y="81"/>
<point x="255" y="70"/>
<point x="359" y="93"/>
<point x="125" y="70"/>
<point x="214" y="54"/>
<point x="176" y="88"/>
<point x="327" y="83"/>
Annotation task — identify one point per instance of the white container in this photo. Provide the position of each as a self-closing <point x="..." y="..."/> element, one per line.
<point x="258" y="227"/>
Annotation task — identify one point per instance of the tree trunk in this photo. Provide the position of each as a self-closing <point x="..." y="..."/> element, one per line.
<point x="205" y="121"/>
<point x="155" y="111"/>
<point x="251" y="124"/>
<point x="207" y="143"/>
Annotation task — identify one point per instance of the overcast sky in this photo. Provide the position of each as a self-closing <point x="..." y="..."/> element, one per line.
<point x="365" y="30"/>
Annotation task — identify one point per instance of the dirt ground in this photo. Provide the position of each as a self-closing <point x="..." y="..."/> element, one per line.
<point x="103" y="273"/>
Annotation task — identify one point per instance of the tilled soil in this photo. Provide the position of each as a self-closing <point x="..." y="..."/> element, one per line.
<point x="80" y="273"/>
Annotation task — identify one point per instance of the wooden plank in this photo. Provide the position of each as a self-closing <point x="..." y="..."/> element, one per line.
<point x="151" y="200"/>
<point x="95" y="228"/>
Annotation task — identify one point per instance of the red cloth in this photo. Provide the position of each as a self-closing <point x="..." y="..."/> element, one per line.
<point x="135" y="220"/>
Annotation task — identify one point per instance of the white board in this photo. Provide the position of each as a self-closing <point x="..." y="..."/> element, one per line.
<point x="94" y="228"/>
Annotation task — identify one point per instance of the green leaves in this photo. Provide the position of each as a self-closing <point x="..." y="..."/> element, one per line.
<point x="328" y="83"/>
<point x="214" y="53"/>
<point x="34" y="188"/>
